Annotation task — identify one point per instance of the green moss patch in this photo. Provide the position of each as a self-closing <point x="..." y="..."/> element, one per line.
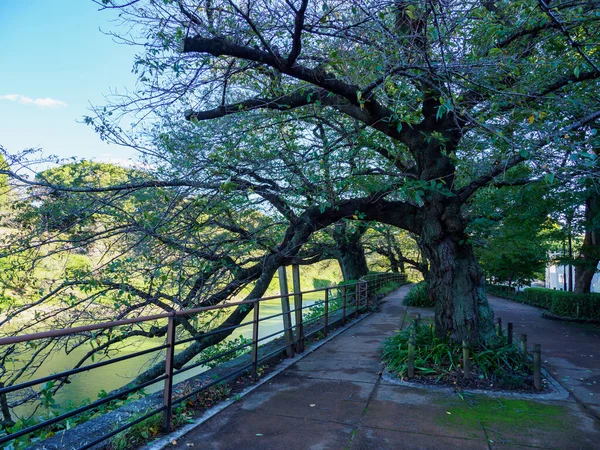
<point x="476" y="411"/>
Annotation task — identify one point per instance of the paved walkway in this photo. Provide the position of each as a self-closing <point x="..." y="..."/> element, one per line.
<point x="335" y="399"/>
<point x="571" y="352"/>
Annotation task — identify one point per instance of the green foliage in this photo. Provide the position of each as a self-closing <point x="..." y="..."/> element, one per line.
<point x="500" y="290"/>
<point x="419" y="296"/>
<point x="53" y="409"/>
<point x="318" y="283"/>
<point x="511" y="231"/>
<point x="439" y="357"/>
<point x="568" y="304"/>
<point x="137" y="434"/>
<point x="225" y="347"/>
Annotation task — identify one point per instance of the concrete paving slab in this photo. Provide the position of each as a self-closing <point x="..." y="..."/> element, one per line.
<point x="356" y="375"/>
<point x="379" y="439"/>
<point x="341" y="402"/>
<point x="252" y="430"/>
<point x="416" y="410"/>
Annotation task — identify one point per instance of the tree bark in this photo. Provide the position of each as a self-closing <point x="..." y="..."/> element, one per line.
<point x="455" y="279"/>
<point x="350" y="252"/>
<point x="589" y="255"/>
<point x="353" y="262"/>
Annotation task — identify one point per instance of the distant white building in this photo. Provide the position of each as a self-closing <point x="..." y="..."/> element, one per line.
<point x="555" y="278"/>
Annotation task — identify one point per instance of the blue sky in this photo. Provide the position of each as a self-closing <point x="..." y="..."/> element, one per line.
<point x="55" y="62"/>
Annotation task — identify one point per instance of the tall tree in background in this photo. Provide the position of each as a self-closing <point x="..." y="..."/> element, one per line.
<point x="586" y="265"/>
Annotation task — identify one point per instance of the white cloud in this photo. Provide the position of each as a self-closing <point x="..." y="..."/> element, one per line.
<point x="41" y="102"/>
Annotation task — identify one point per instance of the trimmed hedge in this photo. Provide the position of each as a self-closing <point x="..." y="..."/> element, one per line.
<point x="418" y="296"/>
<point x="559" y="303"/>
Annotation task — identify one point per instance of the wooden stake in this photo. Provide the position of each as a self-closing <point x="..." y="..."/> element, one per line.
<point x="537" y="366"/>
<point x="524" y="347"/>
<point x="466" y="361"/>
<point x="411" y="353"/>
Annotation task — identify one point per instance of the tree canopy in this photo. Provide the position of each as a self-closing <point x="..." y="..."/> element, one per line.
<point x="437" y="98"/>
<point x="266" y="129"/>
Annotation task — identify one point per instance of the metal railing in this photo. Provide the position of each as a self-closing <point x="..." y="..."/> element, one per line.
<point x="339" y="304"/>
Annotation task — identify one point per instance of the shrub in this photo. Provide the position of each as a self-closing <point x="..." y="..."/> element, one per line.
<point x="419" y="296"/>
<point x="501" y="291"/>
<point x="540" y="297"/>
<point x="439" y="357"/>
<point x="560" y="303"/>
<point x="568" y="304"/>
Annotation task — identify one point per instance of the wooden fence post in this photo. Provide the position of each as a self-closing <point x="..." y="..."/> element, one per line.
<point x="499" y="327"/>
<point x="298" y="308"/>
<point x="466" y="361"/>
<point x="537" y="366"/>
<point x="412" y="340"/>
<point x="509" y="333"/>
<point x="524" y="347"/>
<point x="285" y="309"/>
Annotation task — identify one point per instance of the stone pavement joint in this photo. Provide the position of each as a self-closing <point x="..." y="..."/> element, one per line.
<point x="335" y="398"/>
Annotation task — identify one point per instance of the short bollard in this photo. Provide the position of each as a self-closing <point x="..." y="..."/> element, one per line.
<point x="509" y="333"/>
<point x="412" y="340"/>
<point x="499" y="327"/>
<point x="466" y="361"/>
<point x="524" y="347"/>
<point x="417" y="321"/>
<point x="537" y="366"/>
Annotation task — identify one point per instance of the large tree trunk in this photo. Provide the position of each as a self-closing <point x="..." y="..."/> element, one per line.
<point x="350" y="252"/>
<point x="589" y="255"/>
<point x="455" y="279"/>
<point x="353" y="262"/>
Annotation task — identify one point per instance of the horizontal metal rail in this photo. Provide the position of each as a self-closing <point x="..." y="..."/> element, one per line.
<point x="68" y="373"/>
<point x="351" y="299"/>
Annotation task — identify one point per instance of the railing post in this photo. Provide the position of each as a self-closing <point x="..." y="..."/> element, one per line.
<point x="366" y="287"/>
<point x="499" y="327"/>
<point x="255" y="341"/>
<point x="343" y="305"/>
<point x="298" y="308"/>
<point x="168" y="386"/>
<point x="509" y="332"/>
<point x="326" y="313"/>
<point x="356" y="299"/>
<point x="285" y="309"/>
